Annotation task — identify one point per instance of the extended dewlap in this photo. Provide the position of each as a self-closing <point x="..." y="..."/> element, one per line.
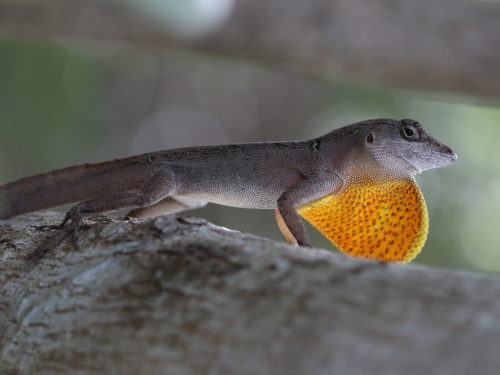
<point x="384" y="221"/>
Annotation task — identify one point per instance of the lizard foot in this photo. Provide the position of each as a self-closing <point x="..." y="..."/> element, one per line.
<point x="58" y="227"/>
<point x="51" y="242"/>
<point x="77" y="224"/>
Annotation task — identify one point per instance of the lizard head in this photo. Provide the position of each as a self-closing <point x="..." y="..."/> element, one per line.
<point x="405" y="144"/>
<point x="378" y="212"/>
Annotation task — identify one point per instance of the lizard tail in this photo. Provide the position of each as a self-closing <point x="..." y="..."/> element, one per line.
<point x="69" y="185"/>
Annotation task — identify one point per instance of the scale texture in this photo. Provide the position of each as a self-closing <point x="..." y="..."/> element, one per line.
<point x="384" y="221"/>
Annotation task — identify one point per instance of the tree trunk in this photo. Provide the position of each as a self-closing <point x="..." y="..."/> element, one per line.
<point x="182" y="296"/>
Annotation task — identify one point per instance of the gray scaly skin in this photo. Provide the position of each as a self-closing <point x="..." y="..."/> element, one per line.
<point x="268" y="175"/>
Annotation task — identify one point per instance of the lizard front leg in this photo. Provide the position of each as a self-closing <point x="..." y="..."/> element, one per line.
<point x="156" y="187"/>
<point x="289" y="221"/>
<point x="289" y="237"/>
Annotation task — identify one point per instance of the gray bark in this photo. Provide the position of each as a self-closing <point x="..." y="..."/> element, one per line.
<point x="182" y="296"/>
<point x="443" y="45"/>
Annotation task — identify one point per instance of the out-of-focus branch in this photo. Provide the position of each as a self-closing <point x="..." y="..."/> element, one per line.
<point x="441" y="45"/>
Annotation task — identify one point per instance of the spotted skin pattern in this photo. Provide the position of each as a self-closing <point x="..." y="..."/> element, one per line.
<point x="385" y="221"/>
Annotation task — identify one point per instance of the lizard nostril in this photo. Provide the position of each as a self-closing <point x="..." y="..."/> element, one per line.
<point x="449" y="151"/>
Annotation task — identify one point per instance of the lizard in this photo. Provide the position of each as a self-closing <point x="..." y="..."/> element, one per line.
<point x="355" y="185"/>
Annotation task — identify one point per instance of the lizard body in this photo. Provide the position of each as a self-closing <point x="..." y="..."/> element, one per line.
<point x="334" y="177"/>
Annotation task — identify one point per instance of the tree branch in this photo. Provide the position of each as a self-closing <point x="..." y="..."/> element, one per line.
<point x="180" y="296"/>
<point x="443" y="45"/>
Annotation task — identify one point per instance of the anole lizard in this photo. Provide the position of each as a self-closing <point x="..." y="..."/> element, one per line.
<point x="355" y="185"/>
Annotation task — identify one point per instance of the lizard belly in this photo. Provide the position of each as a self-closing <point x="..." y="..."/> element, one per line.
<point x="247" y="199"/>
<point x="384" y="221"/>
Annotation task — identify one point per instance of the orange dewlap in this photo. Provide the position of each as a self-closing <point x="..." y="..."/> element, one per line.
<point x="386" y="221"/>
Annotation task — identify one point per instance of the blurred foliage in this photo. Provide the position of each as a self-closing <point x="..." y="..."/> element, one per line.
<point x="63" y="105"/>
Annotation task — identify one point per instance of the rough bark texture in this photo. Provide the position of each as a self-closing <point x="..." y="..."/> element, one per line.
<point x="443" y="45"/>
<point x="181" y="296"/>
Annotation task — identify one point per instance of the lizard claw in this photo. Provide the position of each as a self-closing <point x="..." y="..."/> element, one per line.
<point x="51" y="242"/>
<point x="77" y="224"/>
<point x="58" y="227"/>
<point x="46" y="227"/>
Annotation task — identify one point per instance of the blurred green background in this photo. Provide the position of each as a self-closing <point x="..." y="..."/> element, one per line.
<point x="62" y="105"/>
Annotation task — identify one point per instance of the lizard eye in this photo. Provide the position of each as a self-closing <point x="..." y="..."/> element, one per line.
<point x="409" y="130"/>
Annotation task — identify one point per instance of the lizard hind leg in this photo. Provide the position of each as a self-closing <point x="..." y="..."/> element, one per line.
<point x="167" y="206"/>
<point x="156" y="187"/>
